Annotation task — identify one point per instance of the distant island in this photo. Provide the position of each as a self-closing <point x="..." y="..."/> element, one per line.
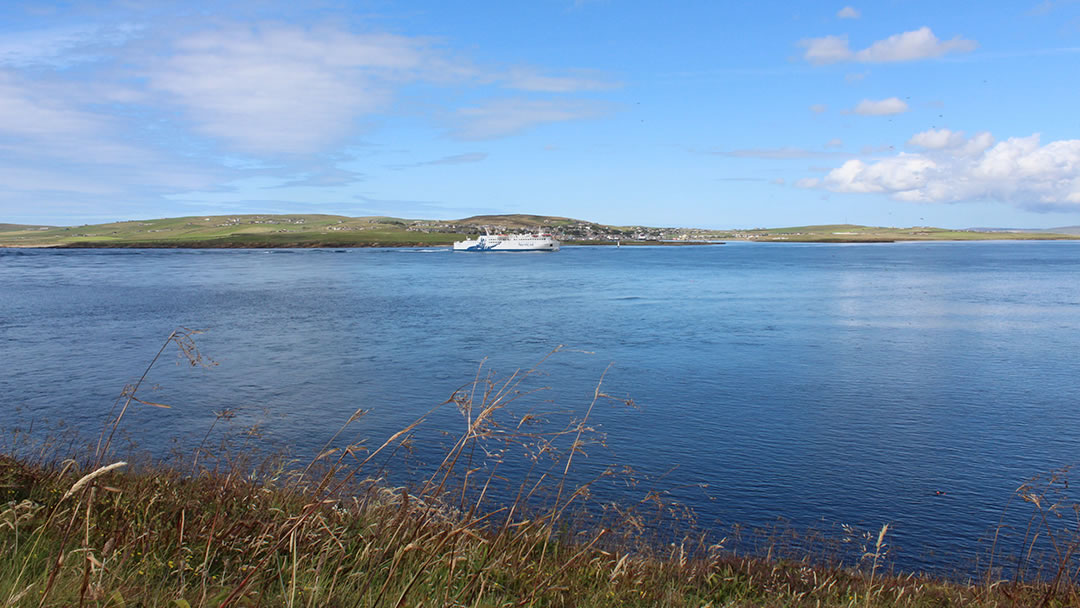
<point x="311" y="230"/>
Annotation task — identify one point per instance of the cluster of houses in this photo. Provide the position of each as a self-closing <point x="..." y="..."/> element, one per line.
<point x="568" y="231"/>
<point x="260" y="219"/>
<point x="575" y="231"/>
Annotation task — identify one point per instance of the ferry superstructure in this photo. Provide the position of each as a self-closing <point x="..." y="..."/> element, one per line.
<point x="509" y="242"/>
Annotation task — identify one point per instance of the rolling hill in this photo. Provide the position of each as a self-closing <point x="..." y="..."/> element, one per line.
<point x="315" y="230"/>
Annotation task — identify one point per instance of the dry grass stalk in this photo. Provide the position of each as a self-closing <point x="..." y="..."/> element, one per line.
<point x="331" y="532"/>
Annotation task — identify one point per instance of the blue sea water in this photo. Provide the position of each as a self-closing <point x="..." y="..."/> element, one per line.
<point x="915" y="384"/>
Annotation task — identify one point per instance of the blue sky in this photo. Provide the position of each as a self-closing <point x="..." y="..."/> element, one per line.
<point x="705" y="114"/>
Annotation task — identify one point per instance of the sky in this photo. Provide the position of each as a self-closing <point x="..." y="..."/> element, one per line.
<point x="683" y="113"/>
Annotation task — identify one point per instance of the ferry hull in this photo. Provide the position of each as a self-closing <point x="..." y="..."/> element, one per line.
<point x="500" y="243"/>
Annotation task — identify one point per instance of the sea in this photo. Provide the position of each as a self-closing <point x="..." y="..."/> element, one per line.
<point x="817" y="391"/>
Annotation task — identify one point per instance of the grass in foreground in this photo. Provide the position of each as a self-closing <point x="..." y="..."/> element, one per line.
<point x="223" y="530"/>
<point x="158" y="537"/>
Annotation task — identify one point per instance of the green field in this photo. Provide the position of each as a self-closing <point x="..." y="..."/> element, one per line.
<point x="312" y="230"/>
<point x="851" y="233"/>
<point x="232" y="231"/>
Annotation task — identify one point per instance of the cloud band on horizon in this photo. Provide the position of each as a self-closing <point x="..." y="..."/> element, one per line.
<point x="949" y="167"/>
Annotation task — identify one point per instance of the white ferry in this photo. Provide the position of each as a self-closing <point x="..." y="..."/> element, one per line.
<point x="509" y="242"/>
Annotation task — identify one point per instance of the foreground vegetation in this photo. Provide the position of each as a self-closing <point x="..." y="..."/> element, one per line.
<point x="265" y="231"/>
<point x="160" y="537"/>
<point x="223" y="528"/>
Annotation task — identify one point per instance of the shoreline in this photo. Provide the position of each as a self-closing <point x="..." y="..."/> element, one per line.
<point x="299" y="231"/>
<point x="406" y="244"/>
<point x="320" y="244"/>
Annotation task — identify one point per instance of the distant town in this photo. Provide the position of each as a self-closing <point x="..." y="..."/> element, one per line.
<point x="571" y="231"/>
<point x="318" y="230"/>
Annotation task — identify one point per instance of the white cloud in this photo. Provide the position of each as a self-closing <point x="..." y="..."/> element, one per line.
<point x="284" y="89"/>
<point x="527" y="79"/>
<point x="907" y="46"/>
<point x="910" y="46"/>
<point x="70" y="159"/>
<point x="818" y="108"/>
<point x="848" y="12"/>
<point x="111" y="116"/>
<point x="883" y="107"/>
<point x="835" y="142"/>
<point x="900" y="174"/>
<point x="290" y="90"/>
<point x="503" y="117"/>
<point x="41" y="122"/>
<point x="828" y="49"/>
<point x="937" y="139"/>
<point x="954" y="168"/>
<point x="25" y="111"/>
